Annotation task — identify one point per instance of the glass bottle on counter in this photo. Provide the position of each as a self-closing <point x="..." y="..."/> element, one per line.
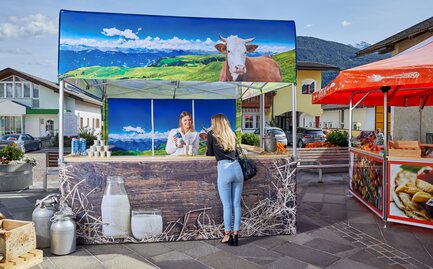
<point x="115" y="209"/>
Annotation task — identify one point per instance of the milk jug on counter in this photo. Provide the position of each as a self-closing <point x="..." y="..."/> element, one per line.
<point x="115" y="209"/>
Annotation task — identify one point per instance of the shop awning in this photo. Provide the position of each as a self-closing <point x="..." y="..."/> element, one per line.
<point x="408" y="74"/>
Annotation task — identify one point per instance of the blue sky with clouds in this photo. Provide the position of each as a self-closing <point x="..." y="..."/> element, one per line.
<point x="29" y="29"/>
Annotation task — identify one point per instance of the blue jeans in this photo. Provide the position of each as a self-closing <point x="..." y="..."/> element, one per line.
<point x="230" y="185"/>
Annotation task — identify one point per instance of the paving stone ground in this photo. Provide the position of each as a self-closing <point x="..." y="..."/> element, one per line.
<point x="333" y="231"/>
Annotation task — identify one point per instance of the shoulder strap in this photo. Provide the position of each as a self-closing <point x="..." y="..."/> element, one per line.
<point x="240" y="151"/>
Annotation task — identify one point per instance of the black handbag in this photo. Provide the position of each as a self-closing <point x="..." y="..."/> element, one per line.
<point x="248" y="167"/>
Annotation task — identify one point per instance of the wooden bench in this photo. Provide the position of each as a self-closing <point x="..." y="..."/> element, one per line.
<point x="323" y="158"/>
<point x="52" y="166"/>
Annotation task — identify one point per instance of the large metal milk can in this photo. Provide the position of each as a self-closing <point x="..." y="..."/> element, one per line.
<point x="63" y="232"/>
<point x="270" y="143"/>
<point x="41" y="216"/>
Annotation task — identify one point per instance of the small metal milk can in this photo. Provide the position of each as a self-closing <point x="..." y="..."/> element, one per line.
<point x="63" y="232"/>
<point x="41" y="216"/>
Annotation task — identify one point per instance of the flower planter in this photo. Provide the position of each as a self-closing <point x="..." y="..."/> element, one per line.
<point x="14" y="177"/>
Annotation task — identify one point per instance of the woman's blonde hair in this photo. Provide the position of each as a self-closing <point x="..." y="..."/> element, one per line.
<point x="184" y="114"/>
<point x="223" y="133"/>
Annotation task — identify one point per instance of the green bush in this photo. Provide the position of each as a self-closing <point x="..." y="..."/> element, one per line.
<point x="89" y="136"/>
<point x="11" y="153"/>
<point x="337" y="138"/>
<point x="86" y="134"/>
<point x="250" y="139"/>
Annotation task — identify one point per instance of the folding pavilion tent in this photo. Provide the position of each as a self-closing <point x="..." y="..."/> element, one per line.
<point x="403" y="80"/>
<point x="80" y="37"/>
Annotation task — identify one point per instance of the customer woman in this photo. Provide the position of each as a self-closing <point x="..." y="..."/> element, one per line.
<point x="221" y="143"/>
<point x="183" y="135"/>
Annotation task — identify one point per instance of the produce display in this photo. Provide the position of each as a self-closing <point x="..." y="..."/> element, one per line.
<point x="412" y="191"/>
<point x="370" y="147"/>
<point x="367" y="180"/>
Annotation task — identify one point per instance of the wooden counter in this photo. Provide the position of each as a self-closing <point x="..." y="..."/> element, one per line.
<point x="178" y="185"/>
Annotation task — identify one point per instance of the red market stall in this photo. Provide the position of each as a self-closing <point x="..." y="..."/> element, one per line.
<point x="397" y="182"/>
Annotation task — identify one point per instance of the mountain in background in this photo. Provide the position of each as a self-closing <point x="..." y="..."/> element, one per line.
<point x="329" y="52"/>
<point x="361" y="45"/>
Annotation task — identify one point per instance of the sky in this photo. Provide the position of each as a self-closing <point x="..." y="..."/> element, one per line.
<point x="29" y="28"/>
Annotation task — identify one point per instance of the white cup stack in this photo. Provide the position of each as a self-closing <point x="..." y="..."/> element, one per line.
<point x="99" y="149"/>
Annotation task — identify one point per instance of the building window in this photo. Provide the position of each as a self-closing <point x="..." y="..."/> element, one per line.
<point x="308" y="86"/>
<point x="35" y="103"/>
<point x="10" y="125"/>
<point x="97" y="123"/>
<point x="248" y="121"/>
<point x="2" y="90"/>
<point x="26" y="90"/>
<point x="81" y="122"/>
<point x="35" y="91"/>
<point x="9" y="90"/>
<point x="18" y="90"/>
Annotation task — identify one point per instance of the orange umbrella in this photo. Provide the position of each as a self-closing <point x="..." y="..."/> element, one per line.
<point x="408" y="74"/>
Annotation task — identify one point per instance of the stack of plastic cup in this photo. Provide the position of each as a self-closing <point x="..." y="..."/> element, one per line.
<point x="99" y="149"/>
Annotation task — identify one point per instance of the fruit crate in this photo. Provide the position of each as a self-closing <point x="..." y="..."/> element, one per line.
<point x="404" y="148"/>
<point x="16" y="238"/>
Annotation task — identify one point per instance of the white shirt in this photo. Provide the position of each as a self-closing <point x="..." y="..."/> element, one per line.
<point x="190" y="138"/>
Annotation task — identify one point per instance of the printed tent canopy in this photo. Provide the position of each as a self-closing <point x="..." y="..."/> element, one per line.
<point x="408" y="74"/>
<point x="145" y="56"/>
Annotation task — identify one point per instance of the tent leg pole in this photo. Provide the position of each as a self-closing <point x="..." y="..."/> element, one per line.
<point x="262" y="120"/>
<point x="349" y="194"/>
<point x="61" y="104"/>
<point x="420" y="125"/>
<point x="385" y="158"/>
<point x="294" y="142"/>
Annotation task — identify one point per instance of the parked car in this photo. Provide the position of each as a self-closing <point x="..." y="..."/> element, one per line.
<point x="279" y="134"/>
<point x="25" y="141"/>
<point x="309" y="135"/>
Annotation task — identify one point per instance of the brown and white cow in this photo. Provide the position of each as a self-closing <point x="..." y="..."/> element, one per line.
<point x="239" y="67"/>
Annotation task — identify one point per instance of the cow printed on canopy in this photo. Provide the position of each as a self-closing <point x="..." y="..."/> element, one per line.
<point x="239" y="67"/>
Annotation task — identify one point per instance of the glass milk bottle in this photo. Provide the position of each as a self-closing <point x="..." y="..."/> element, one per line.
<point x="115" y="209"/>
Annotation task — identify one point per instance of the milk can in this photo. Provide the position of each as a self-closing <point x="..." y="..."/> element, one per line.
<point x="270" y="143"/>
<point x="63" y="232"/>
<point x="41" y="216"/>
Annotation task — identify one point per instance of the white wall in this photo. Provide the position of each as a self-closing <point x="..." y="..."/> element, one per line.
<point x="33" y="126"/>
<point x="90" y="112"/>
<point x="8" y="108"/>
<point x="307" y="120"/>
<point x="365" y="116"/>
<point x="48" y="98"/>
<point x="406" y="123"/>
<point x="332" y="116"/>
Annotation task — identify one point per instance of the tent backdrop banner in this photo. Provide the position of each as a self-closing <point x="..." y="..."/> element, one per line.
<point x="146" y="47"/>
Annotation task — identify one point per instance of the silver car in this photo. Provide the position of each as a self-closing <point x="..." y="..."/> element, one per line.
<point x="25" y="141"/>
<point x="279" y="134"/>
<point x="309" y="135"/>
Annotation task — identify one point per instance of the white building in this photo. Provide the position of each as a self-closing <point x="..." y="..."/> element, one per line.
<point x="29" y="104"/>
<point x="337" y="116"/>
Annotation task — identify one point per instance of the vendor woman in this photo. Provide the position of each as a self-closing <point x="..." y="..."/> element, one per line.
<point x="183" y="136"/>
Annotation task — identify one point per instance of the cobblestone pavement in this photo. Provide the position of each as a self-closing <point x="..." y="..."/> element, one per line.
<point x="333" y="231"/>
